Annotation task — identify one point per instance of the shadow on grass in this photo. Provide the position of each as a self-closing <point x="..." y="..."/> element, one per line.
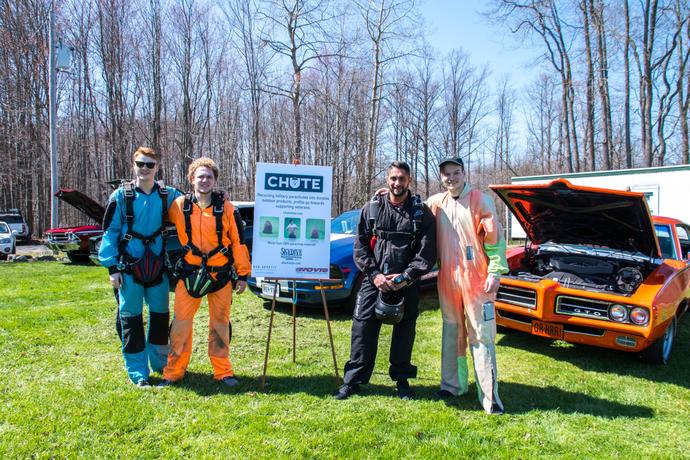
<point x="205" y="385"/>
<point x="518" y="398"/>
<point x="610" y="361"/>
<point x="335" y="311"/>
<point x="428" y="301"/>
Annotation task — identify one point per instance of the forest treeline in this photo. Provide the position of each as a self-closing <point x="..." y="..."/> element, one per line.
<point x="349" y="84"/>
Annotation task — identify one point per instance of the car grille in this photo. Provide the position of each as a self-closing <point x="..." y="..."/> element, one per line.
<point x="60" y="237"/>
<point x="517" y="296"/>
<point x="586" y="308"/>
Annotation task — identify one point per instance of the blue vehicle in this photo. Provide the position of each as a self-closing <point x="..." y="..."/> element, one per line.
<point x="348" y="278"/>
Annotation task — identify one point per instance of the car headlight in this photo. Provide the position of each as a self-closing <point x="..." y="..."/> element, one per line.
<point x="639" y="316"/>
<point x="5" y="240"/>
<point x="618" y="313"/>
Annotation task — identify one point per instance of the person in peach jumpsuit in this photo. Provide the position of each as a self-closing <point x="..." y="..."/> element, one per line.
<point x="471" y="249"/>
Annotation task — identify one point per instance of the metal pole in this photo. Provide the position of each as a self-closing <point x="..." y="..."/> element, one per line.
<point x="52" y="121"/>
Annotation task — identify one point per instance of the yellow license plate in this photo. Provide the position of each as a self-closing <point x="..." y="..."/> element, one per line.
<point x="550" y="330"/>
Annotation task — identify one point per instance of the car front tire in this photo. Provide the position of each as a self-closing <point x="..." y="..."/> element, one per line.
<point x="79" y="258"/>
<point x="660" y="351"/>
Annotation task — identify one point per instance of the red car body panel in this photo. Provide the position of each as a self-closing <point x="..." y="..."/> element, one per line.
<point x="74" y="240"/>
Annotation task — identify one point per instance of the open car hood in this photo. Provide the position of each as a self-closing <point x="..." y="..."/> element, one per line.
<point x="559" y="212"/>
<point x="82" y="202"/>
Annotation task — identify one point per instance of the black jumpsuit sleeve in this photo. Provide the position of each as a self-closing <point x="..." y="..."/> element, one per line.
<point x="425" y="257"/>
<point x="363" y="255"/>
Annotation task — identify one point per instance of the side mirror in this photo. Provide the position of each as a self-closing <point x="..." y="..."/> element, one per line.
<point x="15" y="233"/>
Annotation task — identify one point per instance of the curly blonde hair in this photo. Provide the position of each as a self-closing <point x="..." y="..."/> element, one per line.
<point x="198" y="163"/>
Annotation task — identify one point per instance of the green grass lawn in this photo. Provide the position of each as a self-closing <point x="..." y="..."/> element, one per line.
<point x="64" y="393"/>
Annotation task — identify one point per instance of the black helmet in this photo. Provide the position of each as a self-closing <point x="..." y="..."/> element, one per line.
<point x="390" y="307"/>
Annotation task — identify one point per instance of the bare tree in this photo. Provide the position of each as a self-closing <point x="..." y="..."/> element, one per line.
<point x="542" y="124"/>
<point x="242" y="18"/>
<point x="544" y="19"/>
<point x="304" y="26"/>
<point x="464" y="106"/>
<point x="388" y="25"/>
<point x="428" y="91"/>
<point x="681" y="13"/>
<point x="652" y="62"/>
<point x="503" y="139"/>
<point x="626" y="107"/>
<point x="585" y="8"/>
<point x="114" y="47"/>
<point x="596" y="9"/>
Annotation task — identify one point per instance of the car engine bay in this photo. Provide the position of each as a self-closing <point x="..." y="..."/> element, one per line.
<point x="585" y="268"/>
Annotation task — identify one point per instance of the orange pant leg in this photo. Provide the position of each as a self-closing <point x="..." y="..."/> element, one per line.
<point x="181" y="333"/>
<point x="219" y="332"/>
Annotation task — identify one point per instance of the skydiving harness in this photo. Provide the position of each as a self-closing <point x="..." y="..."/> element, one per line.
<point x="388" y="311"/>
<point x="149" y="268"/>
<point x="198" y="279"/>
<point x="416" y="217"/>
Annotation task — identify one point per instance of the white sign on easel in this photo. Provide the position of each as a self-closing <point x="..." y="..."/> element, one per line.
<point x="292" y="216"/>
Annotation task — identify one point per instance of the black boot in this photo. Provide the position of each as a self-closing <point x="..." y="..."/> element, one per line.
<point x="345" y="391"/>
<point x="404" y="390"/>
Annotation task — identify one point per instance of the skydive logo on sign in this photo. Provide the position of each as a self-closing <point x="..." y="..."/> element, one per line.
<point x="293" y="183"/>
<point x="290" y="254"/>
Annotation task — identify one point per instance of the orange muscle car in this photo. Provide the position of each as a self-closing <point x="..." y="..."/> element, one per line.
<point x="595" y="269"/>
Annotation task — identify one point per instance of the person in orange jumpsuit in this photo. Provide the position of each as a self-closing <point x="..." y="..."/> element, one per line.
<point x="471" y="249"/>
<point x="213" y="252"/>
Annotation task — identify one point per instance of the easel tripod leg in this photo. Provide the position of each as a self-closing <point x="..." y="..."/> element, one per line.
<point x="330" y="333"/>
<point x="294" y="322"/>
<point x="268" y="341"/>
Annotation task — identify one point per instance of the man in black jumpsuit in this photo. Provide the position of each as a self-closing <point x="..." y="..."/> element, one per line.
<point x="397" y="250"/>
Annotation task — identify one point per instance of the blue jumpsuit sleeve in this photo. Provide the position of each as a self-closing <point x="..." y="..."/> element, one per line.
<point x="112" y="230"/>
<point x="173" y="194"/>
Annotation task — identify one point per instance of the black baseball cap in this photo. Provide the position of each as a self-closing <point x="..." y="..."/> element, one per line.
<point x="455" y="161"/>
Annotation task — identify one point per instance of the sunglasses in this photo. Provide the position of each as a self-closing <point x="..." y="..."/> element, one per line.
<point x="145" y="164"/>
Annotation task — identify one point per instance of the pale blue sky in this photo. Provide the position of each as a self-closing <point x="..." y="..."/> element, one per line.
<point x="459" y="24"/>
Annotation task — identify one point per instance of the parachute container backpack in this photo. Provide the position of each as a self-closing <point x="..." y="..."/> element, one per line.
<point x="198" y="279"/>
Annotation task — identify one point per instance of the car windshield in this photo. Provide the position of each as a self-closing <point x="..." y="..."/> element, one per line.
<point x="4" y="228"/>
<point x="12" y="219"/>
<point x="665" y="237"/>
<point x="345" y="222"/>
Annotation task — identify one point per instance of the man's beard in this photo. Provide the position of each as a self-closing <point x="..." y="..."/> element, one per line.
<point x="399" y="191"/>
